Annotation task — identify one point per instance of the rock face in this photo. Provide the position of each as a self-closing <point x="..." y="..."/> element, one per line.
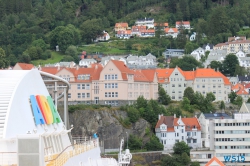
<point x="107" y="124"/>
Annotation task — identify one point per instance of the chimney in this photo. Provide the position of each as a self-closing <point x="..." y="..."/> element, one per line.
<point x="174" y="115"/>
<point x="77" y="67"/>
<point x="195" y="115"/>
<point x="58" y="68"/>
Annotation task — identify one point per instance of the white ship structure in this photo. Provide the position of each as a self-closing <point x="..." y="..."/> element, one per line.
<point x="32" y="133"/>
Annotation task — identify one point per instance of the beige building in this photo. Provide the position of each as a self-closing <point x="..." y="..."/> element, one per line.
<point x="234" y="45"/>
<point x="175" y="81"/>
<point x="115" y="84"/>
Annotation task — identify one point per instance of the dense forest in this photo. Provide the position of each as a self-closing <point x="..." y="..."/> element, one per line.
<point x="30" y="28"/>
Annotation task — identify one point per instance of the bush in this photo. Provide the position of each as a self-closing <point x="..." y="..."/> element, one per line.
<point x="133" y="114"/>
<point x="154" y="144"/>
<point x="134" y="142"/>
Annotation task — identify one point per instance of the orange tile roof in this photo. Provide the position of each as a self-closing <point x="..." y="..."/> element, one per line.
<point x="149" y="73"/>
<point x="237" y="87"/>
<point x="161" y="24"/>
<point x="163" y="74"/>
<point x="51" y="70"/>
<point x="202" y="73"/>
<point x="124" y="32"/>
<point x="26" y="66"/>
<point x="167" y="30"/>
<point x="189" y="75"/>
<point x="148" y="31"/>
<point x="139" y="75"/>
<point x="141" y="27"/>
<point x="182" y="22"/>
<point x="189" y="123"/>
<point x="121" y="24"/>
<point x="247" y="85"/>
<point x="215" y="159"/>
<point x="242" y="92"/>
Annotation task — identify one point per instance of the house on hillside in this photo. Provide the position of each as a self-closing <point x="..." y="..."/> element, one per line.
<point x="136" y="30"/>
<point x="173" y="53"/>
<point x="103" y="37"/>
<point x="170" y="129"/>
<point x="184" y="24"/>
<point x="124" y="34"/>
<point x="148" y="22"/>
<point x="87" y="62"/>
<point x="215" y="55"/>
<point x="160" y="26"/>
<point x="148" y="33"/>
<point x="122" y="26"/>
<point x="142" y="62"/>
<point x="198" y="53"/>
<point x="171" y="32"/>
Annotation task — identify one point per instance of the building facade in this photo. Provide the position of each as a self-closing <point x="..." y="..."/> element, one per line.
<point x="175" y="81"/>
<point x="114" y="84"/>
<point x="170" y="130"/>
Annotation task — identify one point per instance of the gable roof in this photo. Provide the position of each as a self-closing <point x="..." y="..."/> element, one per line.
<point x="167" y="120"/>
<point x="182" y="22"/>
<point x="242" y="91"/>
<point x="168" y="30"/>
<point x="25" y="66"/>
<point x="189" y="123"/>
<point x="215" y="159"/>
<point x="121" y="24"/>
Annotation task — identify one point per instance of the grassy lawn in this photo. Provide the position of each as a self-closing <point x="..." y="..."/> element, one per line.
<point x="115" y="47"/>
<point x="55" y="57"/>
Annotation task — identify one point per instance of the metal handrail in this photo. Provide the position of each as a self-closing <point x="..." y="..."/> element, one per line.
<point x="59" y="154"/>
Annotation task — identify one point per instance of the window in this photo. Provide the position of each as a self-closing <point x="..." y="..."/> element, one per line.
<point x="106" y="86"/>
<point x="194" y="140"/>
<point x="179" y="85"/>
<point x="182" y="131"/>
<point x="113" y="94"/>
<point x="87" y="86"/>
<point x="173" y="85"/>
<point x="116" y="77"/>
<point x="106" y="94"/>
<point x="69" y="95"/>
<point x="116" y="94"/>
<point x="88" y="95"/>
<point x="78" y="86"/>
<point x="116" y="85"/>
<point x="83" y="86"/>
<point x="83" y="95"/>
<point x="189" y="141"/>
<point x="78" y="95"/>
<point x="173" y="97"/>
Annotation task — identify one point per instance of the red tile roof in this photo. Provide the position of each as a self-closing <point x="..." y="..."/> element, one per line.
<point x="124" y="32"/>
<point x="148" y="31"/>
<point x="139" y="75"/>
<point x="121" y="24"/>
<point x="170" y="121"/>
<point x="182" y="22"/>
<point x="161" y="24"/>
<point x="214" y="159"/>
<point x="171" y="30"/>
<point x="237" y="86"/>
<point x="163" y="74"/>
<point x="242" y="92"/>
<point x="51" y="70"/>
<point x="25" y="66"/>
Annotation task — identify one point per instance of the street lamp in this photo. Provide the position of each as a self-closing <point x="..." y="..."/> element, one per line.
<point x="127" y="139"/>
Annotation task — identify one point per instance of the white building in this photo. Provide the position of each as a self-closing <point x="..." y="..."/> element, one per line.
<point x="170" y="130"/>
<point x="148" y="61"/>
<point x="198" y="53"/>
<point x="228" y="138"/>
<point x="204" y="122"/>
<point x="184" y="24"/>
<point x="87" y="62"/>
<point x="149" y="22"/>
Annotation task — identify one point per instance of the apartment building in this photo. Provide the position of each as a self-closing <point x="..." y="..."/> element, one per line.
<point x="170" y="130"/>
<point x="149" y="22"/>
<point x="115" y="84"/>
<point x="204" y="119"/>
<point x="234" y="45"/>
<point x="175" y="81"/>
<point x="228" y="138"/>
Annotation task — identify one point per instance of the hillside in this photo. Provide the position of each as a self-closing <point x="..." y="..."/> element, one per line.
<point x="29" y="28"/>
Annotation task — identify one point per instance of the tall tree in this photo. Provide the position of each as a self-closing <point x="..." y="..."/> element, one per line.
<point x="163" y="98"/>
<point x="229" y="64"/>
<point x="4" y="62"/>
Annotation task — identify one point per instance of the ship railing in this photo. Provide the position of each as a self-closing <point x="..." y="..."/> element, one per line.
<point x="71" y="151"/>
<point x="8" y="158"/>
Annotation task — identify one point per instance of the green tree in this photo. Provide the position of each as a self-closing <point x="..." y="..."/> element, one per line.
<point x="189" y="94"/>
<point x="238" y="101"/>
<point x="71" y="50"/>
<point x="232" y="96"/>
<point x="222" y="105"/>
<point x="216" y="65"/>
<point x="185" y="159"/>
<point x="133" y="114"/>
<point x="154" y="144"/>
<point x="248" y="100"/>
<point x="39" y="43"/>
<point x="229" y="64"/>
<point x="4" y="62"/>
<point x="134" y="142"/>
<point x="181" y="147"/>
<point x="186" y="104"/>
<point x="141" y="102"/>
<point x="189" y="47"/>
<point x="163" y="98"/>
<point x="195" y="163"/>
<point x="186" y="63"/>
<point x="67" y="58"/>
<point x="170" y="160"/>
